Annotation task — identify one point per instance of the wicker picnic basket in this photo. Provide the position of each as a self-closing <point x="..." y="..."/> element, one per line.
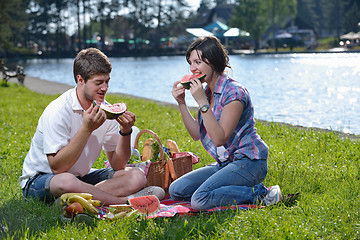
<point x="161" y="173"/>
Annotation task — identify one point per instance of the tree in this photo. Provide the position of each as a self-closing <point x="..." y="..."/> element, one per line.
<point x="278" y="12"/>
<point x="250" y="15"/>
<point x="13" y="18"/>
<point x="351" y="18"/>
<point x="330" y="18"/>
<point x="48" y="24"/>
<point x="256" y="16"/>
<point x="155" y="16"/>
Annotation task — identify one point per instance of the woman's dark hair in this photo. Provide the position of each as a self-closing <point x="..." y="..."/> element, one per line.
<point x="90" y="62"/>
<point x="212" y="52"/>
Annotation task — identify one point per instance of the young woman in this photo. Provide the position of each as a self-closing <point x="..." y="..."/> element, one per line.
<point x="226" y="127"/>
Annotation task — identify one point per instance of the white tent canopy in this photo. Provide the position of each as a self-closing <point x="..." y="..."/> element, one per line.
<point x="199" y="32"/>
<point x="284" y="35"/>
<point x="235" y="32"/>
<point x="351" y="36"/>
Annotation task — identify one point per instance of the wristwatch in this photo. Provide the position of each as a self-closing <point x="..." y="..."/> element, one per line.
<point x="204" y="108"/>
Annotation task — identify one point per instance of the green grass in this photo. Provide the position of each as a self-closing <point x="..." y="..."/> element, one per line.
<point x="321" y="165"/>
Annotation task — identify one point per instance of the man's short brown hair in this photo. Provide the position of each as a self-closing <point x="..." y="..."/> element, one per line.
<point x="90" y="62"/>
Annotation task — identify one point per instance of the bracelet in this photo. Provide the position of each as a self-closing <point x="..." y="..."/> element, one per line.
<point x="125" y="134"/>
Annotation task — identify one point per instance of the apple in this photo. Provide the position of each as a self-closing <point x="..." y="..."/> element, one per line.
<point x="73" y="209"/>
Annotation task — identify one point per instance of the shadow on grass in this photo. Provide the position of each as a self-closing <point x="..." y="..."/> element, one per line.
<point x="21" y="219"/>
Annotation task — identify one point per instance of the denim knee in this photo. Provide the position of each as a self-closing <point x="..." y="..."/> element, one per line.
<point x="199" y="201"/>
<point x="175" y="192"/>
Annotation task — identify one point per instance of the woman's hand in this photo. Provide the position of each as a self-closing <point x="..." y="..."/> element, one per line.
<point x="197" y="91"/>
<point x="178" y="92"/>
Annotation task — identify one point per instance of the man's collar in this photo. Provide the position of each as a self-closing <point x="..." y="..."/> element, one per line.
<point x="75" y="101"/>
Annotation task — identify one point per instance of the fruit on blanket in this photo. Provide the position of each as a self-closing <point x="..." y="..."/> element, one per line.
<point x="65" y="196"/>
<point x="119" y="215"/>
<point x="129" y="214"/>
<point x="121" y="208"/>
<point x="96" y="203"/>
<point x="147" y="204"/>
<point x="114" y="216"/>
<point x="171" y="144"/>
<point x="112" y="111"/>
<point x="185" y="81"/>
<point x="147" y="153"/>
<point x="73" y="209"/>
<point x="84" y="203"/>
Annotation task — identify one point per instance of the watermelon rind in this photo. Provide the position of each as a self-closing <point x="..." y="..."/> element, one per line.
<point x="187" y="84"/>
<point x="111" y="116"/>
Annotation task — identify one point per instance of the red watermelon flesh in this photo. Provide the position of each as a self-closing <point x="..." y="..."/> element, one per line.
<point x="147" y="204"/>
<point x="185" y="81"/>
<point x="112" y="111"/>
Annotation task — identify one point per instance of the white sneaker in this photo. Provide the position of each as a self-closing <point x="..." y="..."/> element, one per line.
<point x="272" y="196"/>
<point x="152" y="190"/>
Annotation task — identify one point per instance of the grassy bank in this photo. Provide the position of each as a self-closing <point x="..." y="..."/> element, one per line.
<point x="320" y="165"/>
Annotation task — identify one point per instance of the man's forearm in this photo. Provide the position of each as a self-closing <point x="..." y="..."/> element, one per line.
<point x="66" y="157"/>
<point x="122" y="153"/>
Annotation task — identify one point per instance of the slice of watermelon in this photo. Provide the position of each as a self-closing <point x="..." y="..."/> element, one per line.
<point x="147" y="204"/>
<point x="112" y="111"/>
<point x="185" y="81"/>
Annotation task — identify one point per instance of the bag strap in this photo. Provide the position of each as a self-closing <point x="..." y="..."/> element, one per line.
<point x="161" y="149"/>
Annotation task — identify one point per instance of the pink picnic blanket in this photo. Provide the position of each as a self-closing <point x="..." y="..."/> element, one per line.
<point x="170" y="208"/>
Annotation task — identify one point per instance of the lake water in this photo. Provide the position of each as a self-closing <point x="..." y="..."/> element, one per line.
<point x="312" y="90"/>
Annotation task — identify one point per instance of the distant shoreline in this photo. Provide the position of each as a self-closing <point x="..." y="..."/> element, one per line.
<point x="264" y="52"/>
<point x="248" y="52"/>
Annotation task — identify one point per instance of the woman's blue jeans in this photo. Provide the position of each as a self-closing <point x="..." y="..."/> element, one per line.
<point x="238" y="182"/>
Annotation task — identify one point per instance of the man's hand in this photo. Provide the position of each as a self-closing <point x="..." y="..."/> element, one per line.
<point x="126" y="121"/>
<point x="93" y="117"/>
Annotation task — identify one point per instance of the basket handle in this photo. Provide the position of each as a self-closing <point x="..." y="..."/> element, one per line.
<point x="161" y="149"/>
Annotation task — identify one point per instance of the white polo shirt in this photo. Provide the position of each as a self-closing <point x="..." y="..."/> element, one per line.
<point x="57" y="125"/>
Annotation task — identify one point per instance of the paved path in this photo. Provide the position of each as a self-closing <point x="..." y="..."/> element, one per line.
<point x="42" y="86"/>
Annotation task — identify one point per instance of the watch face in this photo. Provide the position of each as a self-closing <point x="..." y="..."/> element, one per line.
<point x="204" y="108"/>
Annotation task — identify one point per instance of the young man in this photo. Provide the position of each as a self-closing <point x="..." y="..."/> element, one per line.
<point x="69" y="138"/>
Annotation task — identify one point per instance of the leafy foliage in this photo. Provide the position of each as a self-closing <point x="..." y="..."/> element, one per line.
<point x="13" y="19"/>
<point x="259" y="15"/>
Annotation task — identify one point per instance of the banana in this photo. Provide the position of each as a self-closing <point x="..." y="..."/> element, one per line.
<point x="65" y="196"/>
<point x="96" y="203"/>
<point x="86" y="205"/>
